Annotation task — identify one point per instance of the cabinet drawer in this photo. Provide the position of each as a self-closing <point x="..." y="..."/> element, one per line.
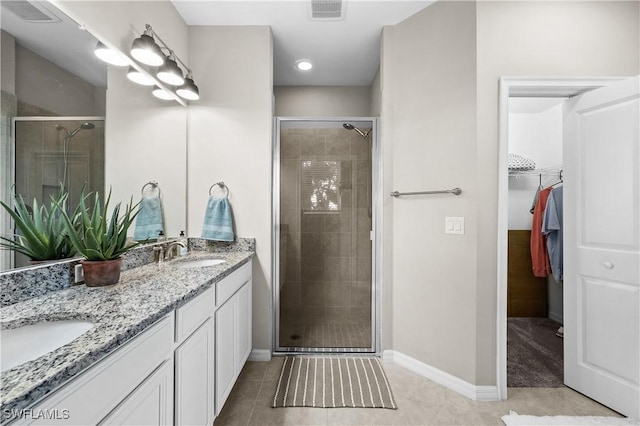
<point x="190" y="316"/>
<point x="229" y="285"/>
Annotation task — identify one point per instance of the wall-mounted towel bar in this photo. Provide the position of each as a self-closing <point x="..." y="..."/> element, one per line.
<point x="454" y="191"/>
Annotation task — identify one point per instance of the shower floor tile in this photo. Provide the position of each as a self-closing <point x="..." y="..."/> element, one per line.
<point x="325" y="335"/>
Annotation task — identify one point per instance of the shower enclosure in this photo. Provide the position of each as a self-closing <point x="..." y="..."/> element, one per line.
<point x="324" y="216"/>
<point x="53" y="151"/>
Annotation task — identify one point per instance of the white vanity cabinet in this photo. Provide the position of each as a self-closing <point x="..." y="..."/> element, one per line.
<point x="233" y="330"/>
<point x="209" y="359"/>
<point x="133" y="385"/>
<point x="180" y="371"/>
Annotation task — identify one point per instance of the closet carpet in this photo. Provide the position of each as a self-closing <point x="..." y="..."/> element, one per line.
<point x="534" y="353"/>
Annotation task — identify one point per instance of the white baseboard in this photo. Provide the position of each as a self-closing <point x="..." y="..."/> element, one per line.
<point x="263" y="355"/>
<point x="476" y="393"/>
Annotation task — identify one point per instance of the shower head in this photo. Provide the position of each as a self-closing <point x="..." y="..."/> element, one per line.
<point x="350" y="126"/>
<point x="83" y="126"/>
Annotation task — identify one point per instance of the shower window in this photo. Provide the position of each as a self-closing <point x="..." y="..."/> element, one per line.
<point x="320" y="186"/>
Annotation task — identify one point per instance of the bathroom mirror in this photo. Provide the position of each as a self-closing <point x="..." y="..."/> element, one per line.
<point x="55" y="103"/>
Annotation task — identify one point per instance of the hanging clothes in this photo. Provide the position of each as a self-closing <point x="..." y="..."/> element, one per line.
<point x="539" y="254"/>
<point x="552" y="229"/>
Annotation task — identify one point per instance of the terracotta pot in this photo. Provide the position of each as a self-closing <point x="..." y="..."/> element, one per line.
<point x="98" y="273"/>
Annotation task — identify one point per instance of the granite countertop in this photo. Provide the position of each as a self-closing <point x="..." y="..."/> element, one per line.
<point x="143" y="296"/>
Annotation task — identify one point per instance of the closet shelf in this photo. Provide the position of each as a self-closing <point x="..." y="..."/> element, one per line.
<point x="554" y="171"/>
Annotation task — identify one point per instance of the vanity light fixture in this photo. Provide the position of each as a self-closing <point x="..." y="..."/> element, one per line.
<point x="160" y="93"/>
<point x="170" y="72"/>
<point x="303" y="65"/>
<point x="144" y="49"/>
<point x="150" y="49"/>
<point x="110" y="56"/>
<point x="137" y="77"/>
<point x="189" y="90"/>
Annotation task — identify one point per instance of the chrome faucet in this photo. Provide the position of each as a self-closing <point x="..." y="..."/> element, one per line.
<point x="171" y="249"/>
<point x="158" y="254"/>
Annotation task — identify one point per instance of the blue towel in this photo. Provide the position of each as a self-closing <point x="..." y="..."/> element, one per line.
<point x="218" y="223"/>
<point x="149" y="221"/>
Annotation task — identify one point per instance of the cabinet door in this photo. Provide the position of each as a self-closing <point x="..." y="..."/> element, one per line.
<point x="149" y="404"/>
<point x="194" y="370"/>
<point x="226" y="352"/>
<point x="244" y="341"/>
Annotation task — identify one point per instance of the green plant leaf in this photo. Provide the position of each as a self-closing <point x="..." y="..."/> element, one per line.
<point x="98" y="234"/>
<point x="42" y="234"/>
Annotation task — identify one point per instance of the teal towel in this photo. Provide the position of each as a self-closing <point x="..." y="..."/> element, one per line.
<point x="218" y="223"/>
<point x="149" y="221"/>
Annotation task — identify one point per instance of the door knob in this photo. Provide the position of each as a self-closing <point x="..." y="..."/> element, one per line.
<point x="608" y="265"/>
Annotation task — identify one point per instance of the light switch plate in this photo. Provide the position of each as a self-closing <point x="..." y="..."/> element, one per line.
<point x="454" y="225"/>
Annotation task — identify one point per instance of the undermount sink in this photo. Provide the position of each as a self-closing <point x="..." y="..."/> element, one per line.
<point x="29" y="342"/>
<point x="200" y="263"/>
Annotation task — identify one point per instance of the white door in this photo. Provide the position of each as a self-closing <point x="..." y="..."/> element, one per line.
<point x="602" y="245"/>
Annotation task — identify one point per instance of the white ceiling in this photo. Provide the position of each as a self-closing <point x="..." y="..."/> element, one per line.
<point x="344" y="52"/>
<point x="62" y="43"/>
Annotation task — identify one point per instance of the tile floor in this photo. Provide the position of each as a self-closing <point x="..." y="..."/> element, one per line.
<point x="420" y="402"/>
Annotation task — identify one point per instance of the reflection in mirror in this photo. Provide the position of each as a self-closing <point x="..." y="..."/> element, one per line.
<point x="53" y="107"/>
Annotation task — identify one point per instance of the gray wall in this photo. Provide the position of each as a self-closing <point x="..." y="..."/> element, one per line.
<point x="429" y="124"/>
<point x="145" y="137"/>
<point x="322" y="101"/>
<point x="42" y="85"/>
<point x="230" y="140"/>
<point x="440" y="72"/>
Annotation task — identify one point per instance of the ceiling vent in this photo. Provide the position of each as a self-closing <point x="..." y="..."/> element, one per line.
<point x="322" y="10"/>
<point x="30" y="12"/>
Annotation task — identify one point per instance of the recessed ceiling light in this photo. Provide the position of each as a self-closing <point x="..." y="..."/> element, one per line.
<point x="303" y="65"/>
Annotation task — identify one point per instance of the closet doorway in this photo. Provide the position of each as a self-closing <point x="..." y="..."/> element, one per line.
<point x="324" y="221"/>
<point x="534" y="296"/>
<point x="601" y="244"/>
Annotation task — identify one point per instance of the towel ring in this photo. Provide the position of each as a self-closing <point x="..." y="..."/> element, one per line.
<point x="154" y="184"/>
<point x="221" y="185"/>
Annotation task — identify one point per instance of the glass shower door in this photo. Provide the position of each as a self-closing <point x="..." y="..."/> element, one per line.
<point x="325" y="288"/>
<point x="54" y="151"/>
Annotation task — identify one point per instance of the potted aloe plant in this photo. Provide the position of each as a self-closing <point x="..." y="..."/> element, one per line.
<point x="42" y="233"/>
<point x="101" y="238"/>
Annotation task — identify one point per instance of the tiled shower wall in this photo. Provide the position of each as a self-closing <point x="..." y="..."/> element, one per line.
<point x="325" y="277"/>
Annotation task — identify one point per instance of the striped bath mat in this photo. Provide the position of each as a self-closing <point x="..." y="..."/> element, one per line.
<point x="331" y="382"/>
